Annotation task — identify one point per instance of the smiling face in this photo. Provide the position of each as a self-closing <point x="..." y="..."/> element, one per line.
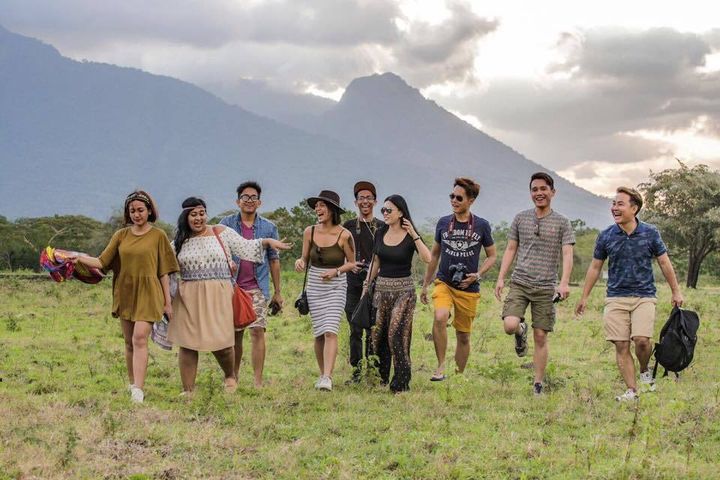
<point x="249" y="201"/>
<point x="391" y="214"/>
<point x="365" y="202"/>
<point x="459" y="200"/>
<point x="138" y="213"/>
<point x="622" y="209"/>
<point x="197" y="219"/>
<point x="541" y="193"/>
<point x="322" y="211"/>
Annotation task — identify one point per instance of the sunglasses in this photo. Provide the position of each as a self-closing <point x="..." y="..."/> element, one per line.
<point x="537" y="229"/>
<point x="386" y="211"/>
<point x="459" y="198"/>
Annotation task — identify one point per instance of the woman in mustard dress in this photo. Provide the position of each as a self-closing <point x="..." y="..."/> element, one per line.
<point x="141" y="258"/>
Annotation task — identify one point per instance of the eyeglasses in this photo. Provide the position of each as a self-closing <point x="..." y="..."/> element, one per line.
<point x="249" y="198"/>
<point x="386" y="211"/>
<point x="365" y="199"/>
<point x="459" y="198"/>
<point x="537" y="229"/>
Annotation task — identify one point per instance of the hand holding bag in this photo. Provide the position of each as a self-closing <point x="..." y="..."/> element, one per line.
<point x="364" y="313"/>
<point x="302" y="305"/>
<point x="243" y="311"/>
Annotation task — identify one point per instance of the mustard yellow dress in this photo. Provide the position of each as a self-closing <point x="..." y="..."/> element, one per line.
<point x="137" y="263"/>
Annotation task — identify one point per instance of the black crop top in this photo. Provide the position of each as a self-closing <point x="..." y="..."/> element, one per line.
<point x="395" y="261"/>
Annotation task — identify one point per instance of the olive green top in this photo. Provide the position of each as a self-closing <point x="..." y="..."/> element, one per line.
<point x="327" y="257"/>
<point x="138" y="262"/>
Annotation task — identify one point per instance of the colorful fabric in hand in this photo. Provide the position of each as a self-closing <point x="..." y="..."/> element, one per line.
<point x="57" y="263"/>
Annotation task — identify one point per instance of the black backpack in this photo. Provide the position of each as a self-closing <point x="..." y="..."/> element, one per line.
<point x="678" y="337"/>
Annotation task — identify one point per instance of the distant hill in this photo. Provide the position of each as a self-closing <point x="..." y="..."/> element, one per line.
<point x="76" y="137"/>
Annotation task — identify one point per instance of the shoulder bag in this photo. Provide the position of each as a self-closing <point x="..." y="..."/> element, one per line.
<point x="243" y="311"/>
<point x="302" y="305"/>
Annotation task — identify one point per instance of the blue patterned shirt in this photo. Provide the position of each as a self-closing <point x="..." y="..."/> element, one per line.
<point x="262" y="228"/>
<point x="630" y="272"/>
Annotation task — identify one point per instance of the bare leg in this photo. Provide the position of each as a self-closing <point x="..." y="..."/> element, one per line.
<point x="540" y="353"/>
<point x="257" y="335"/>
<point x="319" y="349"/>
<point x="462" y="350"/>
<point x="625" y="363"/>
<point x="329" y="354"/>
<point x="643" y="351"/>
<point x="226" y="359"/>
<point x="188" y="360"/>
<point x="439" y="332"/>
<point x="238" y="351"/>
<point x="141" y="332"/>
<point x="127" y="330"/>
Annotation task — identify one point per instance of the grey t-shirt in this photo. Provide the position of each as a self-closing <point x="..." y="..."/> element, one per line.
<point x="540" y="242"/>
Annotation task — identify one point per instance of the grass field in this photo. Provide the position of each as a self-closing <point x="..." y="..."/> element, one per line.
<point x="65" y="411"/>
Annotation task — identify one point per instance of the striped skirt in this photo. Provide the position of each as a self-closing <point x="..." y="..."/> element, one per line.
<point x="327" y="301"/>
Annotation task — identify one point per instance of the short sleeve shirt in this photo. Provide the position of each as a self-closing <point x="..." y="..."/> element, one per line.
<point x="461" y="245"/>
<point x="540" y="242"/>
<point x="138" y="262"/>
<point x="630" y="272"/>
<point x="363" y="234"/>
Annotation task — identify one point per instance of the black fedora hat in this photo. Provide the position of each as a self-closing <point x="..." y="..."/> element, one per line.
<point x="327" y="196"/>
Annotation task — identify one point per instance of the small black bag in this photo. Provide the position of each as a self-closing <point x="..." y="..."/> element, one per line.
<point x="676" y="348"/>
<point x="302" y="305"/>
<point x="364" y="314"/>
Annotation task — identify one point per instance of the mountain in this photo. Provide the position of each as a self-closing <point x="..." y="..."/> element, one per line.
<point x="76" y="137"/>
<point x="261" y="98"/>
<point x="383" y="114"/>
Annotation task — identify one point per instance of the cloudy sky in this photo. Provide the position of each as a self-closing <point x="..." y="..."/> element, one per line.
<point x="601" y="92"/>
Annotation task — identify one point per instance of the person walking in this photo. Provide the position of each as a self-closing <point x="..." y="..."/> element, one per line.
<point x="540" y="238"/>
<point x="394" y="297"/>
<point x="141" y="259"/>
<point x="630" y="246"/>
<point x="253" y="277"/>
<point x="459" y="240"/>
<point x="363" y="229"/>
<point x="203" y="304"/>
<point x="328" y="254"/>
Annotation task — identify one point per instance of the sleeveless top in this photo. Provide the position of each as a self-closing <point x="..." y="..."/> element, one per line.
<point x="326" y="257"/>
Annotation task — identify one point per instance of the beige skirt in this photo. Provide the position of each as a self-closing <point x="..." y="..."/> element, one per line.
<point x="203" y="316"/>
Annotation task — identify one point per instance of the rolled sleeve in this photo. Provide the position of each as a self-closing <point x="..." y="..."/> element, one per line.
<point x="273" y="254"/>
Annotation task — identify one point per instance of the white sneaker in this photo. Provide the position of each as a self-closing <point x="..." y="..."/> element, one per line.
<point x="318" y="382"/>
<point x="647" y="382"/>
<point x="325" y="383"/>
<point x="136" y="394"/>
<point x="630" y="394"/>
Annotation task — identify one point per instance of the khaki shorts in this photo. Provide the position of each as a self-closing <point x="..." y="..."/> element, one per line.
<point x="464" y="304"/>
<point x="260" y="305"/>
<point x="542" y="307"/>
<point x="629" y="317"/>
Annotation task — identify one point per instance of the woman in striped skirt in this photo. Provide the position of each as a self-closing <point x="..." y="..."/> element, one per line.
<point x="328" y="248"/>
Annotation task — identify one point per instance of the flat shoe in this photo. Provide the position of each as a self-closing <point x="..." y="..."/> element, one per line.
<point x="437" y="378"/>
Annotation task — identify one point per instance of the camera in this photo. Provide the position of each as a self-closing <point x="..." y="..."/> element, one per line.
<point x="363" y="273"/>
<point x="459" y="272"/>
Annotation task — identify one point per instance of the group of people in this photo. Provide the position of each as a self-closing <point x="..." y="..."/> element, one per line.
<point x="342" y="261"/>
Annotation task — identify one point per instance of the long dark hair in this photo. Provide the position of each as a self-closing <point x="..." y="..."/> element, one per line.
<point x="183" y="231"/>
<point x="401" y="205"/>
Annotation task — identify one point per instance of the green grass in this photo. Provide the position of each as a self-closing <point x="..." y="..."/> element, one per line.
<point x="65" y="411"/>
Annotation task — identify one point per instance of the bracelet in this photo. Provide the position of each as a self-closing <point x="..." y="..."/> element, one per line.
<point x="337" y="272"/>
<point x="416" y="238"/>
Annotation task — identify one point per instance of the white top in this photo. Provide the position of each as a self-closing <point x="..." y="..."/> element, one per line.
<point x="202" y="258"/>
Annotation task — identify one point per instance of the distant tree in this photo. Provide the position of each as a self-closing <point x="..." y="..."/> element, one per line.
<point x="685" y="204"/>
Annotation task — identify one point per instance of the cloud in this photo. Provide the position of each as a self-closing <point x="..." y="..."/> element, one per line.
<point x="323" y="43"/>
<point x="611" y="81"/>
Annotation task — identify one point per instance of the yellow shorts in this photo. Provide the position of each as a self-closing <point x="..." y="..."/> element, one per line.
<point x="464" y="304"/>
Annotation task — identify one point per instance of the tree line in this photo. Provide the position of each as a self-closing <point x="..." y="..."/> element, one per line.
<point x="684" y="203"/>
